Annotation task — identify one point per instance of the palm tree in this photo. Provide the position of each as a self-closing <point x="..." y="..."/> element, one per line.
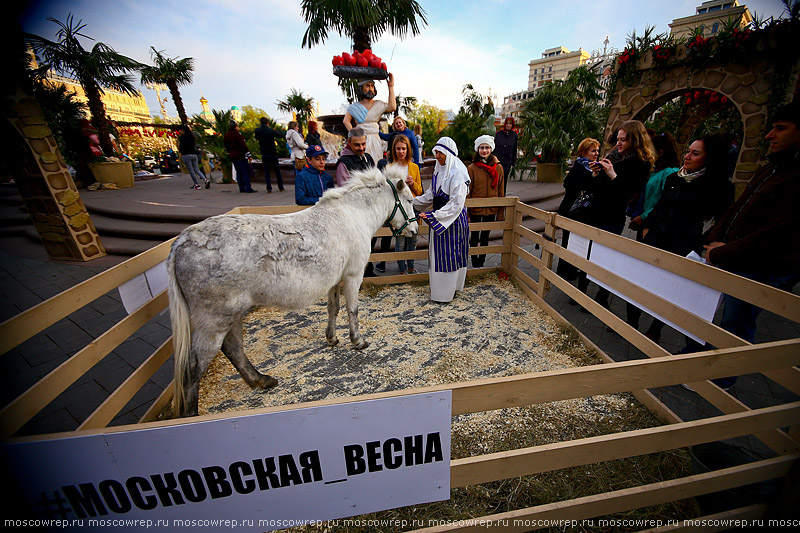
<point x="102" y="67"/>
<point x="363" y="20"/>
<point x="404" y="104"/>
<point x="558" y="116"/>
<point x="298" y="103"/>
<point x="213" y="142"/>
<point x="173" y="73"/>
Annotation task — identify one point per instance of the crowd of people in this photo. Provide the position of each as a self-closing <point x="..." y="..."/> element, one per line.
<point x="678" y="204"/>
<point x="685" y="206"/>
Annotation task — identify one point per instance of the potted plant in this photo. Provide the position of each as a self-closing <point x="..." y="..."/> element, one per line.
<point x="112" y="170"/>
<point x="212" y="141"/>
<point x="559" y="115"/>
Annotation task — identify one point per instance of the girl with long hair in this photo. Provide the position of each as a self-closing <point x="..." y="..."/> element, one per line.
<point x="693" y="196"/>
<point x="616" y="179"/>
<point x="400" y="156"/>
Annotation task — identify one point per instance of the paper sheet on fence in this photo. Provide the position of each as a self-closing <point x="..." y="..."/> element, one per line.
<point x="686" y="294"/>
<point x="144" y="287"/>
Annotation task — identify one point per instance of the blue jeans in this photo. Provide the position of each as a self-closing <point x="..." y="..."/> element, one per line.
<point x="190" y="160"/>
<point x="405" y="244"/>
<point x="243" y="174"/>
<point x="739" y="317"/>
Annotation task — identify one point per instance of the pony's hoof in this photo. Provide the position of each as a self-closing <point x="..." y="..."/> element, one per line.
<point x="360" y="345"/>
<point x="333" y="342"/>
<point x="267" y="382"/>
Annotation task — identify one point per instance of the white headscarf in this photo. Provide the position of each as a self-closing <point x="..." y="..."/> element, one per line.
<point x="484" y="139"/>
<point x="453" y="170"/>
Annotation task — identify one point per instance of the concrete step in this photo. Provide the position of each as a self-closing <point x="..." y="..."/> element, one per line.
<point x="139" y="229"/>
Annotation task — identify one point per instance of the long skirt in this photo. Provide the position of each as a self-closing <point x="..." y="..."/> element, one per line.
<point x="444" y="284"/>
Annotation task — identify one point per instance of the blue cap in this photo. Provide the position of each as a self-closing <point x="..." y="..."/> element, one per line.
<point x="315" y="149"/>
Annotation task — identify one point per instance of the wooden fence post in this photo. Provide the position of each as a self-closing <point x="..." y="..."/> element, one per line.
<point x="547" y="256"/>
<point x="510" y="259"/>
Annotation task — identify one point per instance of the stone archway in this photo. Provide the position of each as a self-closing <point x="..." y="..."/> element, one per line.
<point x="746" y="87"/>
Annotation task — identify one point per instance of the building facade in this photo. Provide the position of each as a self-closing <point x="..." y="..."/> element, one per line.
<point x="555" y="64"/>
<point x="711" y="17"/>
<point x="120" y="107"/>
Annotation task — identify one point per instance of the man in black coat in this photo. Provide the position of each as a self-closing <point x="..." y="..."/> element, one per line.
<point x="505" y="149"/>
<point x="269" y="156"/>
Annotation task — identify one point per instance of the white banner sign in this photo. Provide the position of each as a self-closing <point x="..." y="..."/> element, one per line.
<point x="144" y="287"/>
<point x="686" y="294"/>
<point x="258" y="472"/>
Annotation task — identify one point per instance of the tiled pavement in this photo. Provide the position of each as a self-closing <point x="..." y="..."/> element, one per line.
<point x="27" y="278"/>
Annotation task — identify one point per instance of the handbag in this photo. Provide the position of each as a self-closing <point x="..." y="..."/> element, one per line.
<point x="583" y="208"/>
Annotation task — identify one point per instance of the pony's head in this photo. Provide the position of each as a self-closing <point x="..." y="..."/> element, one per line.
<point x="401" y="219"/>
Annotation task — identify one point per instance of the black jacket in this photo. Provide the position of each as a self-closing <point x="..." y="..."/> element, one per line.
<point x="676" y="222"/>
<point x="505" y="149"/>
<point x="266" y="139"/>
<point x="611" y="197"/>
<point x="578" y="179"/>
<point x="353" y="162"/>
<point x="186" y="144"/>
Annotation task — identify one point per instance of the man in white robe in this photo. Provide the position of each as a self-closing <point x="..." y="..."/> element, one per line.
<point x="368" y="111"/>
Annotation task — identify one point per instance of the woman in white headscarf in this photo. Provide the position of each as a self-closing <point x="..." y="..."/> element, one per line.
<point x="442" y="207"/>
<point x="486" y="180"/>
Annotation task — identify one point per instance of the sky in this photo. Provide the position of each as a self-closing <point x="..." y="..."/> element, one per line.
<point x="248" y="52"/>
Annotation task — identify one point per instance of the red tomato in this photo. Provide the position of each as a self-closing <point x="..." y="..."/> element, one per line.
<point x="350" y="61"/>
<point x="362" y="61"/>
<point x="383" y="66"/>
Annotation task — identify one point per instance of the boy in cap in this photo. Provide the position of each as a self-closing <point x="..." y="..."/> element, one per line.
<point x="312" y="180"/>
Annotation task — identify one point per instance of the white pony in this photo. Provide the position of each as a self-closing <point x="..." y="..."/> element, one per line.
<point x="222" y="267"/>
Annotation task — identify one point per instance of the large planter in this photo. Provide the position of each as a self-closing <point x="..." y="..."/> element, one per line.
<point x="549" y="173"/>
<point x="120" y="174"/>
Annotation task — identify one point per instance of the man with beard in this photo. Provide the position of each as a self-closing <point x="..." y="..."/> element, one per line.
<point x="367" y="112"/>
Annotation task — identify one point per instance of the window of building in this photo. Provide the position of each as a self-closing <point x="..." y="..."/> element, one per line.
<point x="727" y="6"/>
<point x="701" y="11"/>
<point x="551" y="69"/>
<point x="715" y="27"/>
<point x="714" y="8"/>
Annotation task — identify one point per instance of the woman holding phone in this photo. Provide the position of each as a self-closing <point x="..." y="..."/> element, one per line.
<point x="615" y="181"/>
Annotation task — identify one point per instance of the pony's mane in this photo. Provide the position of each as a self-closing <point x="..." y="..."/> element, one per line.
<point x="360" y="179"/>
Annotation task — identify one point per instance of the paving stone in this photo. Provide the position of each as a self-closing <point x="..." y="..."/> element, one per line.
<point x="69" y="333"/>
<point x="58" y="421"/>
<point x="82" y="400"/>
<point x="106" y="304"/>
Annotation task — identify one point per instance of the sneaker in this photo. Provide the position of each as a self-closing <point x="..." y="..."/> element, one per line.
<point x="381" y="267"/>
<point x="412" y="271"/>
<point x="208" y="184"/>
<point x="196" y="187"/>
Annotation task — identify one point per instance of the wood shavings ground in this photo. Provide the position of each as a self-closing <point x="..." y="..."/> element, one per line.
<point x="491" y="329"/>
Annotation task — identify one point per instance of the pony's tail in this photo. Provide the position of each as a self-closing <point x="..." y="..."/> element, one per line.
<point x="181" y="334"/>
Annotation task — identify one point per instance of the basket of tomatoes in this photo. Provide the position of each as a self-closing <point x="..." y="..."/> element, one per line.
<point x="360" y="65"/>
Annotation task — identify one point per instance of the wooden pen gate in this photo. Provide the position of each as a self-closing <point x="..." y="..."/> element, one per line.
<point x="775" y="426"/>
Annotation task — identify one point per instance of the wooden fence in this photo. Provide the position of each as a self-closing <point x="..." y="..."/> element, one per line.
<point x="776" y="426"/>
